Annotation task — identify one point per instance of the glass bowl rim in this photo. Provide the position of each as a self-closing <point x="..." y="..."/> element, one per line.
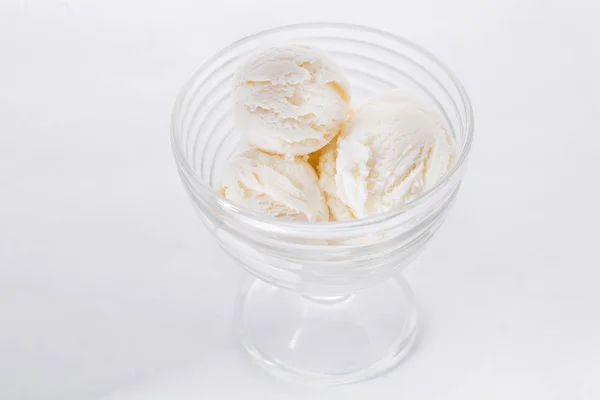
<point x="270" y="222"/>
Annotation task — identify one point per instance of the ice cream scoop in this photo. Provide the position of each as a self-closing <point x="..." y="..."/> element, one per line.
<point x="279" y="186"/>
<point x="290" y="100"/>
<point x="391" y="151"/>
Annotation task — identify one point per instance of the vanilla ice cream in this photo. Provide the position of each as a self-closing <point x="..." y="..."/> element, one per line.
<point x="391" y="151"/>
<point x="326" y="166"/>
<point x="283" y="187"/>
<point x="290" y="100"/>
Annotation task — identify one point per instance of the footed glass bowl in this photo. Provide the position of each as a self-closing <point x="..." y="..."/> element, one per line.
<point x="327" y="303"/>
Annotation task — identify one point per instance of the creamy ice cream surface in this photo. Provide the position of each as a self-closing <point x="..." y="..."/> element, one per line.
<point x="391" y="151"/>
<point x="290" y="100"/>
<point x="326" y="167"/>
<point x="283" y="187"/>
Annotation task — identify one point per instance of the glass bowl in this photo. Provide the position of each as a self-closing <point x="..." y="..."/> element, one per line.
<point x="326" y="302"/>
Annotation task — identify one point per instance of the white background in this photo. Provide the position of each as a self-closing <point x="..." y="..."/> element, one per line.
<point x="110" y="287"/>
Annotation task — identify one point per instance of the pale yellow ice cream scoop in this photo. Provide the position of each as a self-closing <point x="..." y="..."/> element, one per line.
<point x="391" y="151"/>
<point x="290" y="99"/>
<point x="285" y="188"/>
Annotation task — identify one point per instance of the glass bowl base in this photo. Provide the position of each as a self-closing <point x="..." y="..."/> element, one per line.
<point x="328" y="340"/>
